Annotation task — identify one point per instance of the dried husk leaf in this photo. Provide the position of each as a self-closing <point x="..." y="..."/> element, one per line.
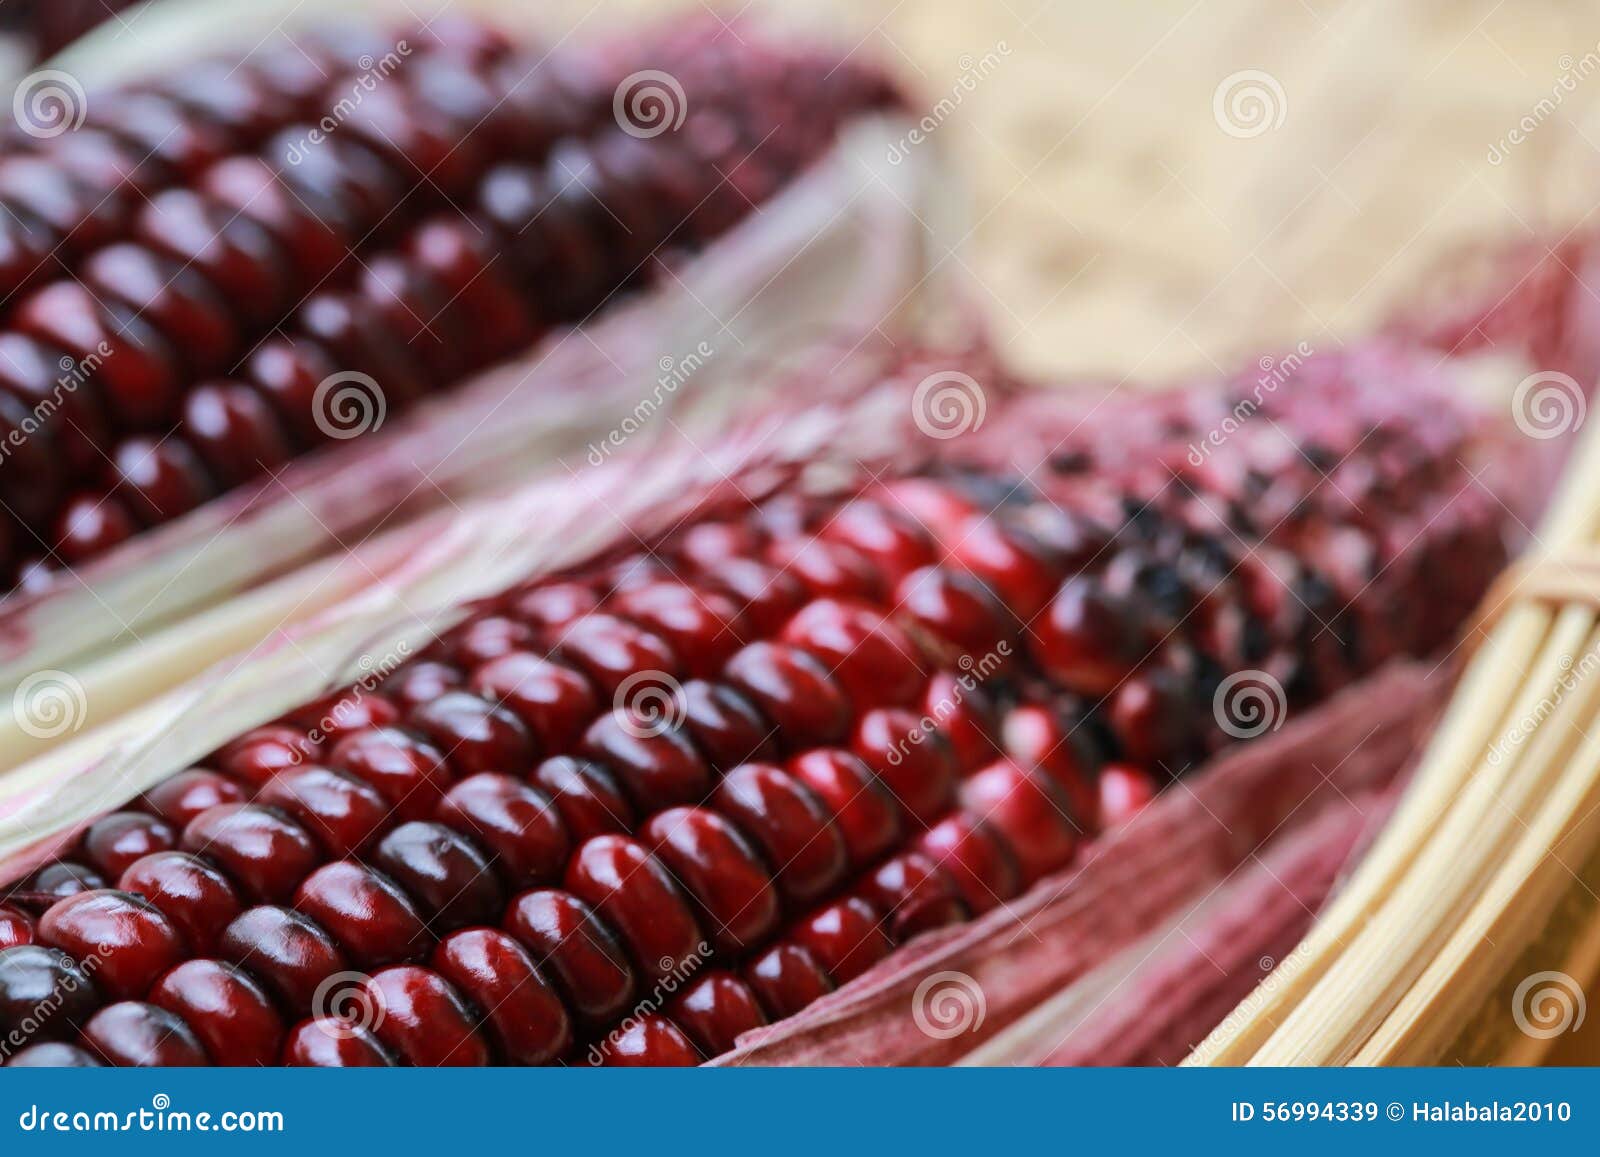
<point x="1154" y="1002"/>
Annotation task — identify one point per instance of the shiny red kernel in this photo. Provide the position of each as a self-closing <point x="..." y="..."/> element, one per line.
<point x="864" y="811"/>
<point x="610" y="650"/>
<point x="261" y="850"/>
<point x="553" y="701"/>
<point x="424" y="681"/>
<point x="653" y="761"/>
<point x="975" y="860"/>
<point x="1029" y="813"/>
<point x="786" y="978"/>
<point x="590" y="800"/>
<point x="635" y="895"/>
<point x="846" y="938"/>
<point x="329" y="1042"/>
<point x="191" y="893"/>
<point x="1124" y="792"/>
<point x="788" y="824"/>
<point x="702" y="627"/>
<point x="965" y="715"/>
<point x="370" y="918"/>
<point x="258" y="755"/>
<point x="1085" y="641"/>
<point x="915" y="895"/>
<point x="1018" y="570"/>
<point x="647" y="1041"/>
<point x="578" y="953"/>
<point x="724" y="725"/>
<point x="714" y="1010"/>
<point x="185" y="794"/>
<point x="475" y="735"/>
<point x="1049" y="742"/>
<point x="137" y="1035"/>
<point x="958" y="615"/>
<point x="422" y="1018"/>
<point x="890" y="540"/>
<point x="15" y="928"/>
<point x="764" y="596"/>
<point x="338" y="811"/>
<point x="872" y="659"/>
<point x="444" y="874"/>
<point x="516" y="824"/>
<point x="794" y="691"/>
<point x="129" y="939"/>
<point x="721" y="872"/>
<point x="407" y="771"/>
<point x="523" y="1016"/>
<point x="116" y="841"/>
<point x="286" y="953"/>
<point x="229" y="1013"/>
<point x="910" y="759"/>
<point x="827" y="569"/>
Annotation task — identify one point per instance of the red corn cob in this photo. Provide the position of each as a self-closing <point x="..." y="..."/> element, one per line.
<point x="879" y="713"/>
<point x="290" y="254"/>
<point x="79" y="164"/>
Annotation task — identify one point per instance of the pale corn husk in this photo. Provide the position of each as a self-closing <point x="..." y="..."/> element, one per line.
<point x="841" y="254"/>
<point x="1485" y="879"/>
